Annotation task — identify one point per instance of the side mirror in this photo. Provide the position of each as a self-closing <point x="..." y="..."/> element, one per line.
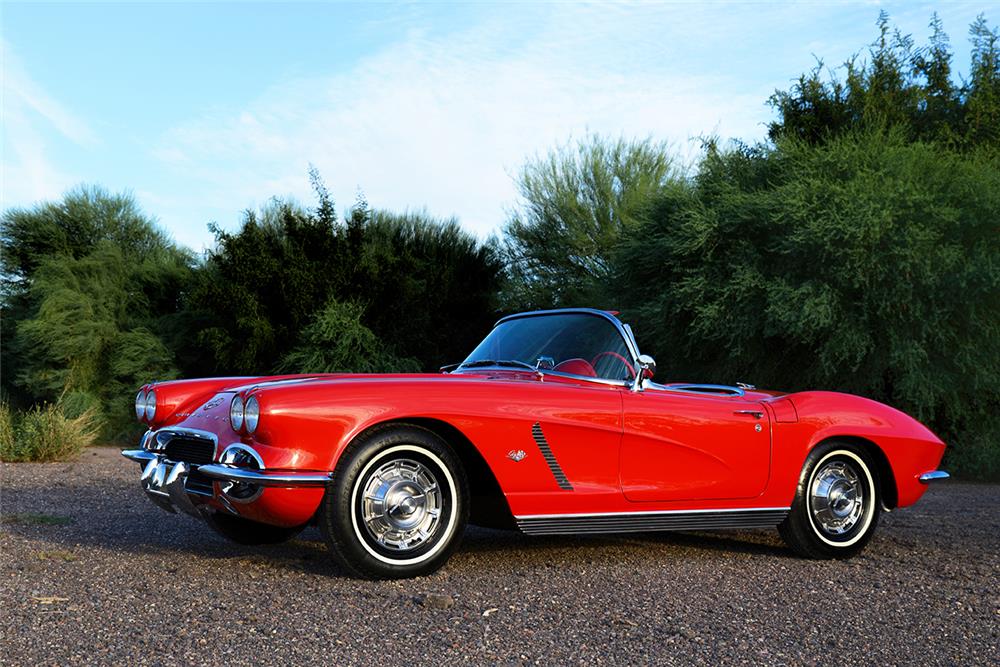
<point x="646" y="368"/>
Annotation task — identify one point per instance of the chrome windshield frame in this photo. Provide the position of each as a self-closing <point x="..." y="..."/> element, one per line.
<point x="629" y="340"/>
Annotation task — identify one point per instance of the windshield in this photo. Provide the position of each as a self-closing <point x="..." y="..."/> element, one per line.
<point x="573" y="343"/>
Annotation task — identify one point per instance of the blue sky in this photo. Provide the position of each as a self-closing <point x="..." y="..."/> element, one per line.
<point x="204" y="110"/>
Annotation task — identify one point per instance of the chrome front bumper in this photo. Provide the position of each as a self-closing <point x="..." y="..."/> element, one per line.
<point x="933" y="476"/>
<point x="164" y="481"/>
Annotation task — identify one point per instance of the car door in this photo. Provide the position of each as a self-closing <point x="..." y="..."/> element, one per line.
<point x="552" y="445"/>
<point x="680" y="445"/>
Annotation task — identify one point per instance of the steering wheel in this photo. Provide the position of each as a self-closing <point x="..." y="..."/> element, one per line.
<point x="617" y="356"/>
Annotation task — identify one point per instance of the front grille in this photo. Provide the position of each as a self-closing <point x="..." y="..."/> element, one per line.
<point x="190" y="449"/>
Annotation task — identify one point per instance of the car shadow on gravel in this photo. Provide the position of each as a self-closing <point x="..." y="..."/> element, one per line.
<point x="177" y="545"/>
<point x="763" y="542"/>
<point x="178" y="540"/>
<point x="116" y="517"/>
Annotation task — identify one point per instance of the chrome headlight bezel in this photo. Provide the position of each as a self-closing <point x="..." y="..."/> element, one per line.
<point x="150" y="410"/>
<point x="236" y="413"/>
<point x="140" y="405"/>
<point x="251" y="414"/>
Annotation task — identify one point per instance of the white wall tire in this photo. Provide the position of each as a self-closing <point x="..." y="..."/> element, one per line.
<point x="398" y="504"/>
<point x="837" y="503"/>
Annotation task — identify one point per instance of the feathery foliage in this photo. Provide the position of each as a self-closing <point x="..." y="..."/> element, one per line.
<point x="867" y="264"/>
<point x="426" y="288"/>
<point x="580" y="201"/>
<point x="903" y="88"/>
<point x="337" y="342"/>
<point x="86" y="283"/>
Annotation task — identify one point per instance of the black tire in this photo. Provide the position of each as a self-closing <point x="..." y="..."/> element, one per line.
<point x="397" y="506"/>
<point x="837" y="503"/>
<point x="243" y="531"/>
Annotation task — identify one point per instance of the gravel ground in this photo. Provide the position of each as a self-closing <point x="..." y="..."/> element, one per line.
<point x="92" y="573"/>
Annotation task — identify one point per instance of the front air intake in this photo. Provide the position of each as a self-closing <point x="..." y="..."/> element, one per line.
<point x="190" y="449"/>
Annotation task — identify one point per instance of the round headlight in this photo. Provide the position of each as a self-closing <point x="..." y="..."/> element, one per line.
<point x="251" y="414"/>
<point x="150" y="405"/>
<point x="140" y="405"/>
<point x="236" y="413"/>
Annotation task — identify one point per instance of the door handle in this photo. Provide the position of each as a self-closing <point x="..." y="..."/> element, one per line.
<point x="756" y="414"/>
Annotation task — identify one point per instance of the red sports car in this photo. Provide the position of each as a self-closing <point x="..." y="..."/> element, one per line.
<point x="553" y="425"/>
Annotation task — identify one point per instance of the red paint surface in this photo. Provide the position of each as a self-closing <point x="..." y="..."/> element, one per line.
<point x="621" y="451"/>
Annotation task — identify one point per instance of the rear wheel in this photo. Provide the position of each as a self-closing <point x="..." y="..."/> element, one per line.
<point x="243" y="531"/>
<point x="397" y="506"/>
<point x="837" y="503"/>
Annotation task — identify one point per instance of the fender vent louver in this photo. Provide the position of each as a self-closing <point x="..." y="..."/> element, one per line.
<point x="550" y="459"/>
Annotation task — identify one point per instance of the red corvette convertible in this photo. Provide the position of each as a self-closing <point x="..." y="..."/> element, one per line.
<point x="553" y="425"/>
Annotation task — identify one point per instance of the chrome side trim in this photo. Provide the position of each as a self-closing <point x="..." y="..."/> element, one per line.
<point x="264" y="477"/>
<point x="722" y="390"/>
<point x="933" y="476"/>
<point x="550" y="458"/>
<point x="634" y="522"/>
<point x="648" y="513"/>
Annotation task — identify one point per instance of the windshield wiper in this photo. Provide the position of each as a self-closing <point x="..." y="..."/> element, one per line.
<point x="513" y="363"/>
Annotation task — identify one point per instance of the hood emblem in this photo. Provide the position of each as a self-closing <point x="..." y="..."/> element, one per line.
<point x="215" y="402"/>
<point x="516" y="455"/>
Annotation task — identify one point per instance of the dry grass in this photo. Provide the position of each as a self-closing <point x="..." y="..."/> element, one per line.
<point x="44" y="433"/>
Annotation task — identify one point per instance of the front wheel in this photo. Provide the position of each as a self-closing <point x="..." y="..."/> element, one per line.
<point x="397" y="507"/>
<point x="836" y="505"/>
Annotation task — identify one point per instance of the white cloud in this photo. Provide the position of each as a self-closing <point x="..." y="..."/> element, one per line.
<point x="443" y="122"/>
<point x="30" y="116"/>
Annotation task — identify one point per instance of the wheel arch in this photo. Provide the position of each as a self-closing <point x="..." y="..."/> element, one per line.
<point x="883" y="470"/>
<point x="488" y="504"/>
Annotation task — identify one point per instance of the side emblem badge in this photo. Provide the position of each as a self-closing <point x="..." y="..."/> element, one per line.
<point x="516" y="455"/>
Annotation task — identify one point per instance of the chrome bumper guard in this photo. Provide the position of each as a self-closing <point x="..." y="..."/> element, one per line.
<point x="164" y="480"/>
<point x="933" y="476"/>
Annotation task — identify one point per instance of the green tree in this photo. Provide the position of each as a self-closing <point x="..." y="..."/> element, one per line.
<point x="89" y="282"/>
<point x="866" y="264"/>
<point x="431" y="287"/>
<point x="260" y="286"/>
<point x="426" y="288"/>
<point x="903" y="88"/>
<point x="982" y="102"/>
<point x="337" y="342"/>
<point x="579" y="201"/>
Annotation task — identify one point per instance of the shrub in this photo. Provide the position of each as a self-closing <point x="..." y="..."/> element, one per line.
<point x="6" y="431"/>
<point x="975" y="454"/>
<point x="578" y="202"/>
<point x="867" y="265"/>
<point x="337" y="342"/>
<point x="44" y="433"/>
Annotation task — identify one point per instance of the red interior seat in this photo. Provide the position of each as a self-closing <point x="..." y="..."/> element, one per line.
<point x="576" y="367"/>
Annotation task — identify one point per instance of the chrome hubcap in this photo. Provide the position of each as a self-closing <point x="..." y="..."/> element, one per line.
<point x="837" y="498"/>
<point x="401" y="505"/>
